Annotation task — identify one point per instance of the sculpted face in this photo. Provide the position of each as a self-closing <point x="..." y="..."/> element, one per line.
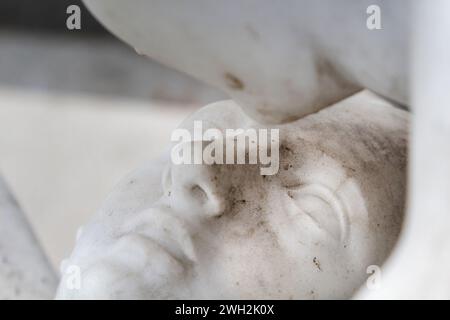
<point x="225" y="231"/>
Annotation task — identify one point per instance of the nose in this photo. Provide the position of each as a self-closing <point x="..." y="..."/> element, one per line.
<point x="196" y="189"/>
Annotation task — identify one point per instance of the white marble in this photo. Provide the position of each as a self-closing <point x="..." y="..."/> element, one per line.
<point x="83" y="65"/>
<point x="279" y="60"/>
<point x="25" y="272"/>
<point x="207" y="231"/>
<point x="419" y="267"/>
<point x="63" y="153"/>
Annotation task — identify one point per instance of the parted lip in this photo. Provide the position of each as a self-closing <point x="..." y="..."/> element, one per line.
<point x="165" y="229"/>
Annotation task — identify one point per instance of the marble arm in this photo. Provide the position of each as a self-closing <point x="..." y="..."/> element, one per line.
<point x="25" y="272"/>
<point x="419" y="268"/>
<point x="278" y="60"/>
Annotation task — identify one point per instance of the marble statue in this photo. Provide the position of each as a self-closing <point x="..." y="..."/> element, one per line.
<point x="282" y="61"/>
<point x="278" y="60"/>
<point x="224" y="231"/>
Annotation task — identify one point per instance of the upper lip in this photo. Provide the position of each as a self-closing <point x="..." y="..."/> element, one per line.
<point x="169" y="231"/>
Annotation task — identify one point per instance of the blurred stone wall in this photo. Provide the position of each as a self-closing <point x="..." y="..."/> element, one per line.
<point x="45" y="15"/>
<point x="40" y="53"/>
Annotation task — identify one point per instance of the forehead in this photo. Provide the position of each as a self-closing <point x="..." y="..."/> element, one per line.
<point x="303" y="162"/>
<point x="360" y="136"/>
<point x="330" y="151"/>
<point x="350" y="134"/>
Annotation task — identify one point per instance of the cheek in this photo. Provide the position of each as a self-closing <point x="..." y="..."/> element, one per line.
<point x="253" y="267"/>
<point x="244" y="259"/>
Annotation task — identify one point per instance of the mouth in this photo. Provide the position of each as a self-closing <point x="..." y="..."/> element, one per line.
<point x="169" y="232"/>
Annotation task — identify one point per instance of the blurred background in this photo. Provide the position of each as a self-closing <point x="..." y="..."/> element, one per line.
<point x="78" y="110"/>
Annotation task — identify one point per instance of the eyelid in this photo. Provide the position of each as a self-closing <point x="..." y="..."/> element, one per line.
<point x="327" y="195"/>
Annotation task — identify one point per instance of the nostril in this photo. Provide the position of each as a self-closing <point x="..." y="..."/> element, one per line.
<point x="208" y="202"/>
<point x="199" y="194"/>
<point x="193" y="190"/>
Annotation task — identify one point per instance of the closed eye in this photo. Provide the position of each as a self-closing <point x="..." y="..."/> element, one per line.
<point x="322" y="206"/>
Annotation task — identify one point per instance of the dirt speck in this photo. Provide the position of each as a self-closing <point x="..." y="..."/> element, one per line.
<point x="317" y="263"/>
<point x="233" y="82"/>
